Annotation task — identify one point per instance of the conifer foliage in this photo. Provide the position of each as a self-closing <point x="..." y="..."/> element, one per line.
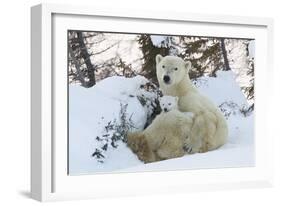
<point x="150" y="51"/>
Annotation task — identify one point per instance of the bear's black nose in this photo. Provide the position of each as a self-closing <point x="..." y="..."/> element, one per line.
<point x="166" y="79"/>
<point x="165" y="109"/>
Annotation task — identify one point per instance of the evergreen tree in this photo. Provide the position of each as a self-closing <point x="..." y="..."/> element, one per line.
<point x="224" y="54"/>
<point x="250" y="90"/>
<point x="205" y="55"/>
<point x="149" y="53"/>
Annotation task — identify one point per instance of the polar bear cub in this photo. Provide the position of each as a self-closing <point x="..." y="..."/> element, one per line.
<point x="166" y="136"/>
<point x="168" y="103"/>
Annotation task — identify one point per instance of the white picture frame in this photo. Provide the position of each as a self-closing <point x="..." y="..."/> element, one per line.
<point x="49" y="179"/>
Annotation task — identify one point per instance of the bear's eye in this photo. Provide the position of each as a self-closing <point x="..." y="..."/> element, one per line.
<point x="169" y="104"/>
<point x="163" y="66"/>
<point x="176" y="69"/>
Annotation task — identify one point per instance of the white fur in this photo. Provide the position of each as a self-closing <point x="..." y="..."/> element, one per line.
<point x="164" y="138"/>
<point x="209" y="130"/>
<point x="168" y="103"/>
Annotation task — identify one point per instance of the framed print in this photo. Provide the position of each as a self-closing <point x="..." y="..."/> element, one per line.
<point x="133" y="102"/>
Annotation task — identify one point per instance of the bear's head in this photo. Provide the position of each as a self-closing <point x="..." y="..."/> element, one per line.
<point x="168" y="103"/>
<point x="171" y="70"/>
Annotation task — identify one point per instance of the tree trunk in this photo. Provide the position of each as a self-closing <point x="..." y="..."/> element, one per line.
<point x="86" y="56"/>
<point x="79" y="74"/>
<point x="224" y="54"/>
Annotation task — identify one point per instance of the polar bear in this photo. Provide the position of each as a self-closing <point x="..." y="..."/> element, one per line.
<point x="168" y="103"/>
<point x="166" y="136"/>
<point x="209" y="130"/>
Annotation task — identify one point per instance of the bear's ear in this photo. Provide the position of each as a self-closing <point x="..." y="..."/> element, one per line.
<point x="187" y="65"/>
<point x="158" y="58"/>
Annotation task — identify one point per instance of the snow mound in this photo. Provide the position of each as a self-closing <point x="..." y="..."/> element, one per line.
<point x="93" y="110"/>
<point x="120" y="87"/>
<point x="222" y="88"/>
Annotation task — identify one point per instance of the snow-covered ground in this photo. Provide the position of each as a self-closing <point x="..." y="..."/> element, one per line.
<point x="90" y="110"/>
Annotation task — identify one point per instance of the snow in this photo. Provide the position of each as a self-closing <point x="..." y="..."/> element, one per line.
<point x="222" y="88"/>
<point x="158" y="40"/>
<point x="91" y="109"/>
